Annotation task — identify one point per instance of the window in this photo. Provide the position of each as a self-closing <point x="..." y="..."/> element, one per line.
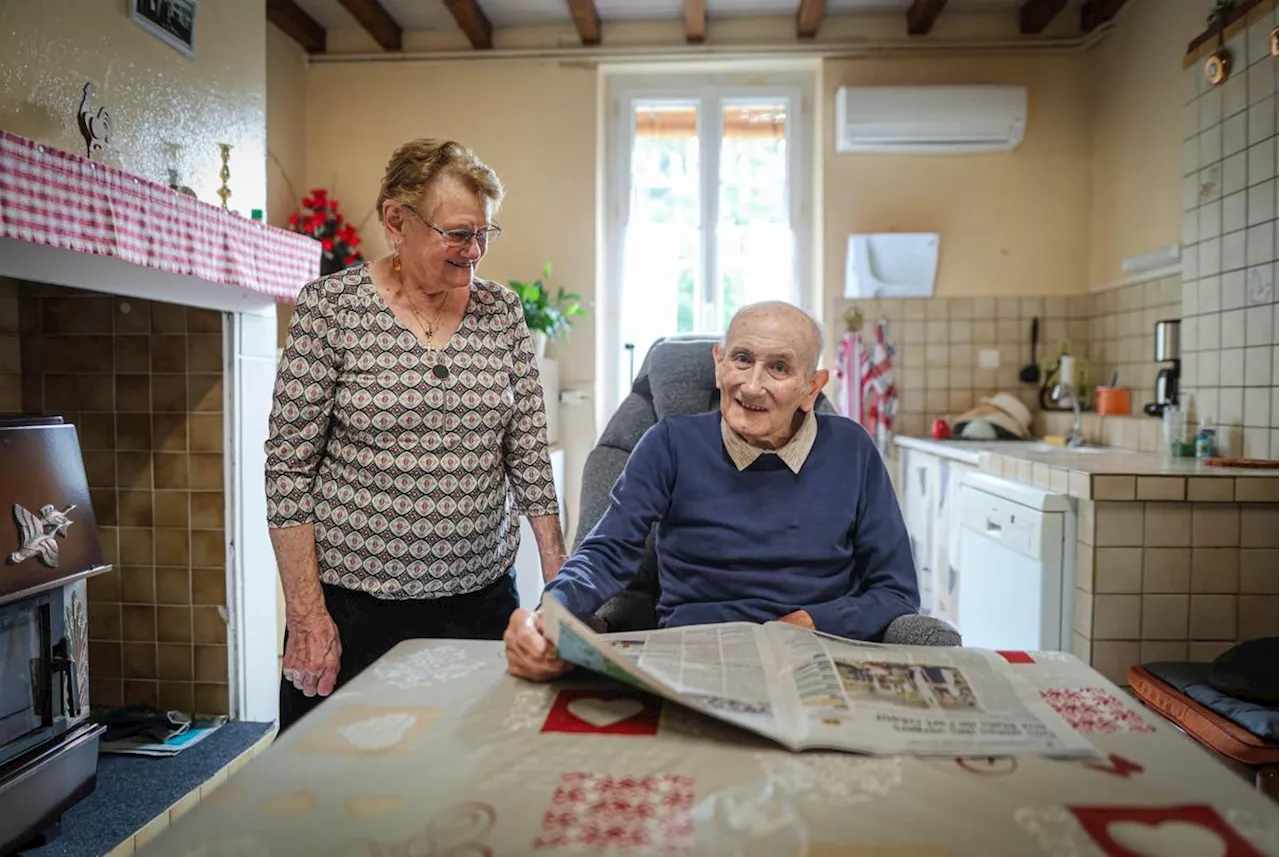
<point x="707" y="210"/>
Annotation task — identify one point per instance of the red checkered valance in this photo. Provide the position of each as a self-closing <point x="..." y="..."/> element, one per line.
<point x="52" y="197"/>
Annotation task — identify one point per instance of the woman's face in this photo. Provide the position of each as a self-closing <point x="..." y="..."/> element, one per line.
<point x="442" y="238"/>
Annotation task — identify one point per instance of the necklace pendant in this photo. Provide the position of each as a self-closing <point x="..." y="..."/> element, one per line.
<point x="440" y="370"/>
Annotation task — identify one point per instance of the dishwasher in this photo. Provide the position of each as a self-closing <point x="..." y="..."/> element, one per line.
<point x="1015" y="565"/>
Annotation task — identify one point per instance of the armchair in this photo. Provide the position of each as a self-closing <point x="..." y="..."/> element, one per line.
<point x="677" y="376"/>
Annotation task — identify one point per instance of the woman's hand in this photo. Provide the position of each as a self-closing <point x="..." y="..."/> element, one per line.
<point x="529" y="653"/>
<point x="313" y="654"/>
<point x="800" y="618"/>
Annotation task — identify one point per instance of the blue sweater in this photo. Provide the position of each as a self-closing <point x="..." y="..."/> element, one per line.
<point x="752" y="545"/>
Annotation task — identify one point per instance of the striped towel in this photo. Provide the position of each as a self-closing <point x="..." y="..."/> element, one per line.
<point x="849" y="380"/>
<point x="879" y="391"/>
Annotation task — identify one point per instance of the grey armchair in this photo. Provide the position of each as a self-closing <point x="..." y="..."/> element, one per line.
<point x="678" y="377"/>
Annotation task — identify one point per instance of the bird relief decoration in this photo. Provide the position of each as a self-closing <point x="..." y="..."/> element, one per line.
<point x="39" y="534"/>
<point x="95" y="125"/>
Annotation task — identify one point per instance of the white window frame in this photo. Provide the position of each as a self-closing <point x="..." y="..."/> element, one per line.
<point x="711" y="89"/>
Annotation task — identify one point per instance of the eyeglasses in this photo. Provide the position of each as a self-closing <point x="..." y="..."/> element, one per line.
<point x="457" y="238"/>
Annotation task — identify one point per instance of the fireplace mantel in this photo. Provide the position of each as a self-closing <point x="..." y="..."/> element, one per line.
<point x="69" y="221"/>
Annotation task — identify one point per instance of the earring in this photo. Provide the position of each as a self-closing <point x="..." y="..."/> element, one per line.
<point x="395" y="262"/>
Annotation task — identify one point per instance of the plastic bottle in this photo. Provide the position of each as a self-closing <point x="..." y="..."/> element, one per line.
<point x="1204" y="439"/>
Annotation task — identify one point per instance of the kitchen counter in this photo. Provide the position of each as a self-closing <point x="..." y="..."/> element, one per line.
<point x="1106" y="473"/>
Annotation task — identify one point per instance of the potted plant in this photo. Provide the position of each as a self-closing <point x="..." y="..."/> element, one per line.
<point x="338" y="239"/>
<point x="547" y="318"/>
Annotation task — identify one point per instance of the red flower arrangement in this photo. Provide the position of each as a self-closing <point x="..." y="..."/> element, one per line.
<point x="320" y="219"/>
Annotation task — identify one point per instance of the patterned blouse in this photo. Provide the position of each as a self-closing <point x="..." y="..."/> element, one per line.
<point x="411" y="481"/>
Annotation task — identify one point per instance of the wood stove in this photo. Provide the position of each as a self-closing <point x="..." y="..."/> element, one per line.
<point x="48" y="547"/>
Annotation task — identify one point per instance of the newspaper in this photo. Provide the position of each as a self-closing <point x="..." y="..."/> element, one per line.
<point x="808" y="690"/>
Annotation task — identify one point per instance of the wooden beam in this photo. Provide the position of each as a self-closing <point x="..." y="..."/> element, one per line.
<point x="1238" y="13"/>
<point x="587" y="20"/>
<point x="809" y="18"/>
<point x="1095" y="13"/>
<point x="472" y="21"/>
<point x="695" y="21"/>
<point x="375" y="20"/>
<point x="922" y="14"/>
<point x="297" y="25"/>
<point x="1035" y="15"/>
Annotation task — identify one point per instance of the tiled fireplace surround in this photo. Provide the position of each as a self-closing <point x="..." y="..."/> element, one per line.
<point x="144" y="388"/>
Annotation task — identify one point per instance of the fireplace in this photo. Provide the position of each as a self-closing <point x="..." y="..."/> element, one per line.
<point x="49" y="547"/>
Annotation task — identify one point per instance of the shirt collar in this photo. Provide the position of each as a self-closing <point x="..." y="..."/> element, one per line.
<point x="793" y="453"/>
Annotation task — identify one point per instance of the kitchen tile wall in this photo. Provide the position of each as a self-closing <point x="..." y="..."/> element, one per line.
<point x="1229" y="330"/>
<point x="142" y="381"/>
<point x="1122" y="334"/>
<point x="10" y="368"/>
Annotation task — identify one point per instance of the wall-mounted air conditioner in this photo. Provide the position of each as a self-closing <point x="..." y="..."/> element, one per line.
<point x="930" y="120"/>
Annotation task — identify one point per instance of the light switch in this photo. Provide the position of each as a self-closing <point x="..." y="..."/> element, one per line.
<point x="988" y="358"/>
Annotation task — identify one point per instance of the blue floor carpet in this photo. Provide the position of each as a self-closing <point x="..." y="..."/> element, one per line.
<point x="133" y="790"/>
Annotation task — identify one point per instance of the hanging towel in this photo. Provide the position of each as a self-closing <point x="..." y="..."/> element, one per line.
<point x="849" y="376"/>
<point x="879" y="391"/>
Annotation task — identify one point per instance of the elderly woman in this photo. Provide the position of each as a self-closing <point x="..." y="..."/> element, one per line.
<point x="407" y="430"/>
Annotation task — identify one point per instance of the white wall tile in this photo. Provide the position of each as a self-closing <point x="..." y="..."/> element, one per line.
<point x="1262" y="202"/>
<point x="1260" y="284"/>
<point x="1257" y="405"/>
<point x="1191" y="224"/>
<point x="1210" y="262"/>
<point x="1235" y="94"/>
<point x="1262" y="81"/>
<point x="1211" y="219"/>
<point x="1232" y="366"/>
<point x="1260" y="245"/>
<point x="1231" y="399"/>
<point x="1210" y="145"/>
<point x="1262" y="119"/>
<point x="1207" y="376"/>
<point x="1262" y="161"/>
<point x="1233" y="289"/>
<point x="1210" y="297"/>
<point x="1233" y="256"/>
<point x="1191" y="191"/>
<point x="1193" y="83"/>
<point x="1255" y="443"/>
<point x="1211" y="187"/>
<point x="1257" y="366"/>
<point x="1233" y="212"/>
<point x="1259" y="321"/>
<point x="1235" y="136"/>
<point x="1190" y="333"/>
<point x="1233" y="326"/>
<point x="1191" y="156"/>
<point x="1190" y="292"/>
<point x="1235" y="173"/>
<point x="1207" y="334"/>
<point x="1190" y="120"/>
<point x="1210" y="105"/>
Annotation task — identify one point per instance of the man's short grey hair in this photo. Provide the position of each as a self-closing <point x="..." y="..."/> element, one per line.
<point x="817" y="335"/>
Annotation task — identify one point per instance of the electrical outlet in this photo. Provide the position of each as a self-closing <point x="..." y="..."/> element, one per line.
<point x="989" y="358"/>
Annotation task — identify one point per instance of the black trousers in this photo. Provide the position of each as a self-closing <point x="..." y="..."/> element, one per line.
<point x="370" y="627"/>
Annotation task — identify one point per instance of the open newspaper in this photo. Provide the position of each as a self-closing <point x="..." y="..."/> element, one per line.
<point x="808" y="690"/>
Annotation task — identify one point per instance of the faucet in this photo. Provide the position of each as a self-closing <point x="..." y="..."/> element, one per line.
<point x="1061" y="391"/>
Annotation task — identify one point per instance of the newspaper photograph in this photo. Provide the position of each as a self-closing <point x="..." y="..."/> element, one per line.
<point x="808" y="690"/>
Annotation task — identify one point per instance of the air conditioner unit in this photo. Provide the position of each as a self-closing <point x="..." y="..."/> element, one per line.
<point x="930" y="120"/>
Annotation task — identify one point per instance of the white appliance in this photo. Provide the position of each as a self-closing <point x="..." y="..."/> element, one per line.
<point x="930" y="120"/>
<point x="1015" y="564"/>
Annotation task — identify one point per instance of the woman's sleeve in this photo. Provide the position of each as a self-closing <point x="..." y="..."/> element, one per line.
<point x="301" y="408"/>
<point x="524" y="446"/>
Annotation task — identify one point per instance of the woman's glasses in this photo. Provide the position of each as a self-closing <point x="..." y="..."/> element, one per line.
<point x="458" y="238"/>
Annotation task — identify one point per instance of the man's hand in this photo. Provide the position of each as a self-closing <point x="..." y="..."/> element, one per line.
<point x="313" y="654"/>
<point x="800" y="618"/>
<point x="529" y="653"/>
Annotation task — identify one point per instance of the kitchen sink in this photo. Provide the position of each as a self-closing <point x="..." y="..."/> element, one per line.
<point x="1082" y="450"/>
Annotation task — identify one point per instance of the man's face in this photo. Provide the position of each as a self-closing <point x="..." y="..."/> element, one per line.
<point x="763" y="375"/>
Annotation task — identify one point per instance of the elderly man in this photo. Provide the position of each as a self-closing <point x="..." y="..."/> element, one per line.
<point x="765" y="510"/>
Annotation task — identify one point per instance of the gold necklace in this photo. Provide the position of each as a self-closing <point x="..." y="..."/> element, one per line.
<point x="433" y="353"/>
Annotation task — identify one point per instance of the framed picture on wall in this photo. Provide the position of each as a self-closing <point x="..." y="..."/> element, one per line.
<point x="172" y="21"/>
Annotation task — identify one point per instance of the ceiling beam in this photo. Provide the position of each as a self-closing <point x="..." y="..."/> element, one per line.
<point x="695" y="21"/>
<point x="297" y="25"/>
<point x="1035" y="15"/>
<point x="376" y="21"/>
<point x="809" y="18"/>
<point x="587" y="20"/>
<point x="472" y="21"/>
<point x="1095" y="13"/>
<point x="922" y="14"/>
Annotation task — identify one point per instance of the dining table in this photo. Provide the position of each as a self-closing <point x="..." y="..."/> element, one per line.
<point x="437" y="751"/>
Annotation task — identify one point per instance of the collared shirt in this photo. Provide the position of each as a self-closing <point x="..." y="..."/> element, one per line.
<point x="793" y="452"/>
